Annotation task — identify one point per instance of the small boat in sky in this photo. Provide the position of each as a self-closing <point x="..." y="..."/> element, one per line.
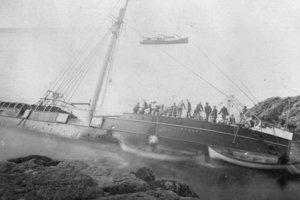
<point x="163" y="39"/>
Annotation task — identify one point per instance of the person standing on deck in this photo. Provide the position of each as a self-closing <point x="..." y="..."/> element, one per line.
<point x="150" y="107"/>
<point x="156" y="109"/>
<point x="224" y="113"/>
<point x="153" y="106"/>
<point x="232" y="120"/>
<point x="145" y="106"/>
<point x="169" y="111"/>
<point x="162" y="109"/>
<point x="243" y="114"/>
<point x="198" y="109"/>
<point x="136" y="108"/>
<point x="207" y="111"/>
<point x="153" y="140"/>
<point x="214" y="114"/>
<point x="174" y="110"/>
<point x="189" y="108"/>
<point x="181" y="106"/>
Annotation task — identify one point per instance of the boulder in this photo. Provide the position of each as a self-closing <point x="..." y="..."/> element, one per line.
<point x="147" y="195"/>
<point x="145" y="174"/>
<point x="126" y="185"/>
<point x="5" y="167"/>
<point x="37" y="159"/>
<point x="179" y="188"/>
<point x="73" y="164"/>
<point x="280" y="111"/>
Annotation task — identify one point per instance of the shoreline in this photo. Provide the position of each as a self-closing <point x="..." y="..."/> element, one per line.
<point x="40" y="177"/>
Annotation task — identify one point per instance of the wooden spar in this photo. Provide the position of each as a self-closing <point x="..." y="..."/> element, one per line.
<point x="105" y="67"/>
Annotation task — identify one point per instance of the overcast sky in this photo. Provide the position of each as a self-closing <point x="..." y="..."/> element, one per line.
<point x="253" y="41"/>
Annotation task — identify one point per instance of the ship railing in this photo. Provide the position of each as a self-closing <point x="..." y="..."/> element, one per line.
<point x="272" y="130"/>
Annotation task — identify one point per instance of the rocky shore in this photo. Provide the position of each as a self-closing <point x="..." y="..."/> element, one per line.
<point x="280" y="111"/>
<point x="40" y="177"/>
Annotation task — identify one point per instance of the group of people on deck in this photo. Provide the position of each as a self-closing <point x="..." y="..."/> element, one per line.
<point x="176" y="110"/>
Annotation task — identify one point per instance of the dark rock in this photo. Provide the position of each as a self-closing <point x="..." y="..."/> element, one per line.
<point x="26" y="166"/>
<point x="31" y="181"/>
<point x="33" y="177"/>
<point x="5" y="167"/>
<point x="280" y="112"/>
<point x="127" y="185"/>
<point x="73" y="164"/>
<point x="145" y="174"/>
<point x="39" y="160"/>
<point x="147" y="195"/>
<point x="161" y="195"/>
<point x="179" y="188"/>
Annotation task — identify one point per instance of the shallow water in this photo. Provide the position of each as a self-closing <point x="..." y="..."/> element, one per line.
<point x="211" y="180"/>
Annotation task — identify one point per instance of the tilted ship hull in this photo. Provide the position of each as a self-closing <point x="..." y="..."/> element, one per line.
<point x="195" y="135"/>
<point x="175" y="133"/>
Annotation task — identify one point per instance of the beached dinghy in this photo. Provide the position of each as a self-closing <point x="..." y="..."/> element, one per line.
<point x="247" y="159"/>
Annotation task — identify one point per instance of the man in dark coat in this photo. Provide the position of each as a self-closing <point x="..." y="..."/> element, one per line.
<point x="174" y="110"/>
<point x="145" y="106"/>
<point x="198" y="109"/>
<point x="189" y="108"/>
<point x="207" y="111"/>
<point x="243" y="114"/>
<point x="180" y="107"/>
<point x="136" y="108"/>
<point x="224" y="113"/>
<point x="214" y="114"/>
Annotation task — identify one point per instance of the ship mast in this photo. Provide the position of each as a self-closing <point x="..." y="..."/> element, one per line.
<point x="116" y="27"/>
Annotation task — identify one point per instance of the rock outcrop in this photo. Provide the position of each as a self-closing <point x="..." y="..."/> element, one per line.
<point x="280" y="111"/>
<point x="39" y="177"/>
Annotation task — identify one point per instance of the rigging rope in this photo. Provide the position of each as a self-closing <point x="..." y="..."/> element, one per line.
<point x="240" y="82"/>
<point x="224" y="74"/>
<point x="85" y="64"/>
<point x="196" y="74"/>
<point x="75" y="59"/>
<point x="73" y="70"/>
<point x="245" y="86"/>
<point x="64" y="77"/>
<point x="287" y="116"/>
<point x="183" y="65"/>
<point x="193" y="72"/>
<point x="78" y="81"/>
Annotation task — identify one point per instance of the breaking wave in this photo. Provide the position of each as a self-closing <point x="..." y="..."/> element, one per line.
<point x="200" y="159"/>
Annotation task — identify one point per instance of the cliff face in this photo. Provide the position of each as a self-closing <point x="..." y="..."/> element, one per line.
<point x="280" y="111"/>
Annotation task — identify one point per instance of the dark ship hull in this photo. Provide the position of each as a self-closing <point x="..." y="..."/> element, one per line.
<point x="175" y="133"/>
<point x="194" y="135"/>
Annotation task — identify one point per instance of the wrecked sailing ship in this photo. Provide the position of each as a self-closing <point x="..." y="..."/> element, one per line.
<point x="53" y="114"/>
